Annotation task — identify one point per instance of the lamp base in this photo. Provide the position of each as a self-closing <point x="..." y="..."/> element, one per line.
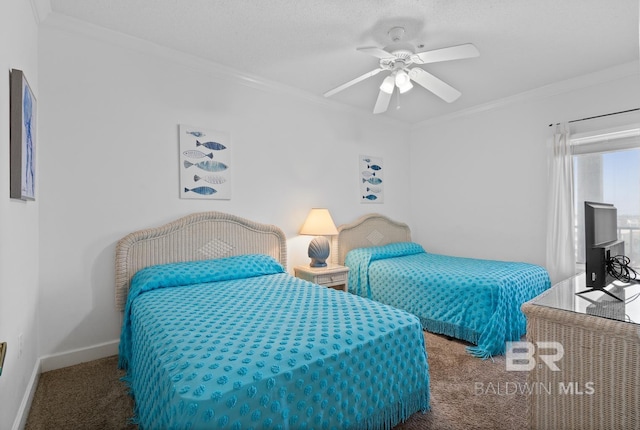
<point x="319" y="251"/>
<point x="318" y="263"/>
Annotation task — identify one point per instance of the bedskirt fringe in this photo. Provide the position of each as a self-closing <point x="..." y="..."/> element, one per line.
<point x="448" y="329"/>
<point x="418" y="402"/>
<point x="398" y="413"/>
<point x="480" y="350"/>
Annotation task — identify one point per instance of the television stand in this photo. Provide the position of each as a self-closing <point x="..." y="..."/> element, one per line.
<point x="601" y="290"/>
<point x="596" y="385"/>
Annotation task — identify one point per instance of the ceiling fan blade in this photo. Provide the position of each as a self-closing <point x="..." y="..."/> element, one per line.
<point x="443" y="90"/>
<point x="352" y="82"/>
<point x="382" y="103"/>
<point x="384" y="96"/>
<point x="376" y="52"/>
<point x="468" y="50"/>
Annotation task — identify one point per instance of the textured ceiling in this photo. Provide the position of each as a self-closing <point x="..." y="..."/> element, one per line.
<point x="311" y="44"/>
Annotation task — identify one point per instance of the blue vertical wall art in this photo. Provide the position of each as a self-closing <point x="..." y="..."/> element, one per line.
<point x="371" y="179"/>
<point x="23" y="138"/>
<point x="205" y="163"/>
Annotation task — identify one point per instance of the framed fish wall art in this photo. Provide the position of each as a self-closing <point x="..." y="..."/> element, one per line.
<point x="371" y="179"/>
<point x="205" y="163"/>
<point x="22" y="182"/>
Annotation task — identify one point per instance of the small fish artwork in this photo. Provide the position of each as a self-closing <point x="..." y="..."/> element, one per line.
<point x="212" y="179"/>
<point x="193" y="153"/>
<point x="368" y="174"/>
<point x="205" y="163"/>
<point x="205" y="191"/>
<point x="371" y="179"/>
<point x="214" y="146"/>
<point x="208" y="165"/>
<point x="196" y="133"/>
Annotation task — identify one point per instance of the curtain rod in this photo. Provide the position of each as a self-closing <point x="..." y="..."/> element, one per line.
<point x="600" y="116"/>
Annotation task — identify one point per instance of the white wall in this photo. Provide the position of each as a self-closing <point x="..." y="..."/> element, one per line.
<point x="472" y="184"/>
<point x="107" y="164"/>
<point x="110" y="111"/>
<point x="479" y="180"/>
<point x="18" y="222"/>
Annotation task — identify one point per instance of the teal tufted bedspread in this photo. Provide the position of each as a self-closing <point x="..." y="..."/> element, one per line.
<point x="474" y="300"/>
<point x="238" y="343"/>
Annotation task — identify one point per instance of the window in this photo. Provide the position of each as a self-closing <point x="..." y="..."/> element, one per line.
<point x="606" y="168"/>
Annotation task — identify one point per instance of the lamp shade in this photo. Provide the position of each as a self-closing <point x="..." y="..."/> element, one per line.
<point x="319" y="223"/>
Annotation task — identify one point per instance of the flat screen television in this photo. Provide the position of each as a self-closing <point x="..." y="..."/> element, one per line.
<point x="601" y="243"/>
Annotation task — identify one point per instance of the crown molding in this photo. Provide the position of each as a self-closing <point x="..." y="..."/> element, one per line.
<point x="41" y="9"/>
<point x="73" y="25"/>
<point x="607" y="75"/>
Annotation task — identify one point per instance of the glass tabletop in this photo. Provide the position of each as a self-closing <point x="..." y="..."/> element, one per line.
<point x="598" y="303"/>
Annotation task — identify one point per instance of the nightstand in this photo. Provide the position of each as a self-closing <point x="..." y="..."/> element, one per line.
<point x="332" y="276"/>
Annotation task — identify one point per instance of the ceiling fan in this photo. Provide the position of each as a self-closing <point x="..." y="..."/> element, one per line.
<point x="397" y="59"/>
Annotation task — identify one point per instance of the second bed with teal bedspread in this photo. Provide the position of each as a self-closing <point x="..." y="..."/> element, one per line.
<point x="470" y="299"/>
<point x="238" y="343"/>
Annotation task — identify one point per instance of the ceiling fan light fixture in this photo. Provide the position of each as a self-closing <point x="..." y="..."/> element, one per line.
<point x="401" y="78"/>
<point x="387" y="85"/>
<point x="403" y="82"/>
<point x="406" y="87"/>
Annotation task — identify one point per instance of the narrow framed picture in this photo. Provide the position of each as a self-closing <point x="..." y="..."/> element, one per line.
<point x="371" y="179"/>
<point x="22" y="180"/>
<point x="205" y="163"/>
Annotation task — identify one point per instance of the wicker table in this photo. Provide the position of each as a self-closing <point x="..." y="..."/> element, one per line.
<point x="332" y="276"/>
<point x="597" y="383"/>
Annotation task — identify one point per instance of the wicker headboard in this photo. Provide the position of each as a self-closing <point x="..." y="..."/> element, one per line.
<point x="200" y="236"/>
<point x="368" y="230"/>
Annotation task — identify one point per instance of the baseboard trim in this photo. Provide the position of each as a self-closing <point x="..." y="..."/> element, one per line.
<point x="25" y="406"/>
<point x="58" y="361"/>
<point x="77" y="356"/>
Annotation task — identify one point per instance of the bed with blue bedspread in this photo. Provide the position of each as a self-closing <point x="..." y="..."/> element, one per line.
<point x="470" y="299"/>
<point x="235" y="342"/>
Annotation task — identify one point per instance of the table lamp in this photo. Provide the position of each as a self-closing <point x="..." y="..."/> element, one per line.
<point x="320" y="224"/>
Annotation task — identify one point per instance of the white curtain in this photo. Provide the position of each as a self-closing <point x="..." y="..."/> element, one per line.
<point x="561" y="261"/>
